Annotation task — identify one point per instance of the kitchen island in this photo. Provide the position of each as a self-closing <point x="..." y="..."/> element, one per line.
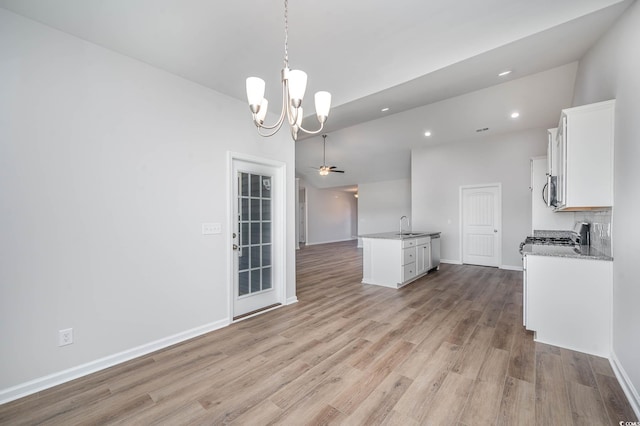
<point x="394" y="259"/>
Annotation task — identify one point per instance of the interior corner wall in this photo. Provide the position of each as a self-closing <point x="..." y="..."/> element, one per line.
<point x="108" y="168"/>
<point x="611" y="70"/>
<point x="438" y="172"/>
<point x="330" y="215"/>
<point x="382" y="204"/>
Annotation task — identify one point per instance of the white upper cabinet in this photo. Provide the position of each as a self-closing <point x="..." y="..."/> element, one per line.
<point x="582" y="157"/>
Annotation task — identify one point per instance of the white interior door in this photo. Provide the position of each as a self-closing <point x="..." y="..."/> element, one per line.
<point x="481" y="225"/>
<point x="256" y="243"/>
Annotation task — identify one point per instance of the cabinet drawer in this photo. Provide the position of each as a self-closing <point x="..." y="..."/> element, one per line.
<point x="409" y="271"/>
<point x="409" y="243"/>
<point x="423" y="240"/>
<point x="408" y="255"/>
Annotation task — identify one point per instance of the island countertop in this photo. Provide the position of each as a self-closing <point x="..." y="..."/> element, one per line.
<point x="394" y="235"/>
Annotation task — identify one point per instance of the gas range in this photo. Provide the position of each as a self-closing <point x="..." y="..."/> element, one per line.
<point x="561" y="242"/>
<point x="550" y="241"/>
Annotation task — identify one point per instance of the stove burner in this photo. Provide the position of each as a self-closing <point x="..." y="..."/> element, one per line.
<point x="551" y="241"/>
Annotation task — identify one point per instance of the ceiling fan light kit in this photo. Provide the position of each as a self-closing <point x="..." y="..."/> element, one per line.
<point x="294" y="84"/>
<point x="324" y="170"/>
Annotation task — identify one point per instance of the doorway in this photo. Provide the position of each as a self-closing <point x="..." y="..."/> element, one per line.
<point x="258" y="227"/>
<point x="481" y="223"/>
<point x="302" y="216"/>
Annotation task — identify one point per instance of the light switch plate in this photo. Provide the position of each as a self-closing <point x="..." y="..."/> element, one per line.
<point x="211" y="228"/>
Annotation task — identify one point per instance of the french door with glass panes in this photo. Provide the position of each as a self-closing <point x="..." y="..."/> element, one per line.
<point x="254" y="287"/>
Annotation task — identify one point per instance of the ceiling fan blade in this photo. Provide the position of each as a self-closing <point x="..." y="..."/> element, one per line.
<point x="333" y="167"/>
<point x="337" y="171"/>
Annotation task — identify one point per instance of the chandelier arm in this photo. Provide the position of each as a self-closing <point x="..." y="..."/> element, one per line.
<point x="282" y="114"/>
<point x="312" y="132"/>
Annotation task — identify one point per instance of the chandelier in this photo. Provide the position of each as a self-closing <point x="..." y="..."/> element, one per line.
<point x="294" y="84"/>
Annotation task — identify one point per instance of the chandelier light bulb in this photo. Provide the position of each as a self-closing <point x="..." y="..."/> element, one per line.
<point x="297" y="86"/>
<point x="323" y="104"/>
<point x="255" y="93"/>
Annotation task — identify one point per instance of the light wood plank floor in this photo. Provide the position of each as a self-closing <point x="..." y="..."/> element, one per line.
<point x="448" y="349"/>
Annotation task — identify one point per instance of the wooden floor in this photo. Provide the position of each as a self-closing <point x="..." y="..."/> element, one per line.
<point x="448" y="349"/>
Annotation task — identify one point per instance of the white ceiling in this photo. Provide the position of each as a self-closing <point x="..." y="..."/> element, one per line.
<point x="434" y="63"/>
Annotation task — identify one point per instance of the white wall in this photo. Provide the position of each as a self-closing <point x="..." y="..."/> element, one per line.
<point x="330" y="215"/>
<point x="438" y="172"/>
<point x="611" y="69"/>
<point x="381" y="204"/>
<point x="108" y="167"/>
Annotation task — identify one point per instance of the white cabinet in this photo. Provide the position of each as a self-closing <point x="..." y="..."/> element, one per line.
<point x="567" y="302"/>
<point x="582" y="157"/>
<point x="423" y="255"/>
<point x="394" y="262"/>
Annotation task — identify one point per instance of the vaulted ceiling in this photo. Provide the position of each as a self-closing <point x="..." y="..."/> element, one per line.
<point x="433" y="63"/>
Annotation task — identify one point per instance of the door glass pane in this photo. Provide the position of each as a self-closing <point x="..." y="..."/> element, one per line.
<point x="255" y="257"/>
<point x="266" y="186"/>
<point x="244" y="207"/>
<point x="266" y="232"/>
<point x="255" y="233"/>
<point x="255" y="280"/>
<point x="244" y="184"/>
<point x="266" y="255"/>
<point x="255" y="185"/>
<point x="243" y="283"/>
<point x="243" y="263"/>
<point x="255" y="209"/>
<point x="244" y="234"/>
<point x="266" y="209"/>
<point x="266" y="278"/>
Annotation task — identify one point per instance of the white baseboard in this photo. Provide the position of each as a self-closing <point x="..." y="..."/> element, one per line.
<point x="41" y="383"/>
<point x="627" y="386"/>
<point x="329" y="242"/>
<point x="292" y="300"/>
<point x="511" y="268"/>
<point x="453" y="262"/>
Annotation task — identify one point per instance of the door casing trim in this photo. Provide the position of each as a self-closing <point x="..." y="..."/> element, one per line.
<point x="279" y="232"/>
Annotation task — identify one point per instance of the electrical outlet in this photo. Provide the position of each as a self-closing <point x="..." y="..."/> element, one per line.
<point x="65" y="337"/>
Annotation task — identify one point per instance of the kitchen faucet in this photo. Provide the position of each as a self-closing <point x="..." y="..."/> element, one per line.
<point x="408" y="225"/>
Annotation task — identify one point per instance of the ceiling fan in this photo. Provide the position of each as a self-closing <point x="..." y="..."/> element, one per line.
<point x="324" y="169"/>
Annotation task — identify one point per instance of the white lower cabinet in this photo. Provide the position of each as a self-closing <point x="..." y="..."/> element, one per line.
<point x="394" y="263"/>
<point x="567" y="302"/>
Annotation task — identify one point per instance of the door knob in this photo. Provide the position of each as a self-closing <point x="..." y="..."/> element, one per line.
<point x="495" y="230"/>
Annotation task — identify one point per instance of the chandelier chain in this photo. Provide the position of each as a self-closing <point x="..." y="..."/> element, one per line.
<point x="286" y="33"/>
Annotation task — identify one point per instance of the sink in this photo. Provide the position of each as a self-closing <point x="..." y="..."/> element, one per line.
<point x="409" y="234"/>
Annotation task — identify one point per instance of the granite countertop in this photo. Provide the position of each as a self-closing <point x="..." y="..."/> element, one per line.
<point x="394" y="235"/>
<point x="576" y="252"/>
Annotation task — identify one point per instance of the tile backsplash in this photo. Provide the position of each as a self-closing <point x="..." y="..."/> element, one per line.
<point x="600" y="229"/>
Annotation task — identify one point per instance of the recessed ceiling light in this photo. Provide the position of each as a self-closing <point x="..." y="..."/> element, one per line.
<point x="503" y="73"/>
<point x="427" y="133"/>
<point x="515" y="114"/>
<point x="385" y="109"/>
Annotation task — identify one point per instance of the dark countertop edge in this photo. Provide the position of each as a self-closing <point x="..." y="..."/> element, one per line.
<point x="394" y="235"/>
